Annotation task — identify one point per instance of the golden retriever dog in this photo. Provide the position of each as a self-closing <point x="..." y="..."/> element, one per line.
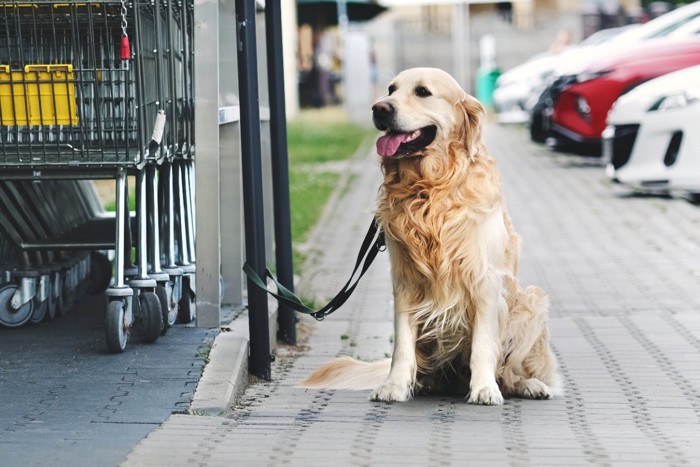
<point x="462" y="322"/>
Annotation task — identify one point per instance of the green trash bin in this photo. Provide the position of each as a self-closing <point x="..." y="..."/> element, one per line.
<point x="486" y="84"/>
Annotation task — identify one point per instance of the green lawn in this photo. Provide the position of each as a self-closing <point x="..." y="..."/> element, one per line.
<point x="316" y="137"/>
<point x="309" y="191"/>
<point x="105" y="192"/>
<point x="111" y="205"/>
<point x="325" y="135"/>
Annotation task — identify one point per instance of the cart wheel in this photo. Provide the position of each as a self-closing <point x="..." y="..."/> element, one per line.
<point x="10" y="317"/>
<point x="151" y="317"/>
<point x="168" y="315"/>
<point x="116" y="327"/>
<point x="186" y="309"/>
<point x="100" y="273"/>
<point x="58" y="305"/>
<point x="50" y="308"/>
<point x="66" y="299"/>
<point x="81" y="289"/>
<point x="58" y="311"/>
<point x="40" y="311"/>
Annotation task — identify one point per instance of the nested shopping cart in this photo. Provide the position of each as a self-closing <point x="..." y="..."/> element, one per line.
<point x="96" y="90"/>
<point x="176" y="174"/>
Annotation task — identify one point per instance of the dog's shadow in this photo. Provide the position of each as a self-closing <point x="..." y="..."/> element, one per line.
<point x="443" y="405"/>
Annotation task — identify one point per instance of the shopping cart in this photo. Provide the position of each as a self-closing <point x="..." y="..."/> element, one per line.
<point x="177" y="171"/>
<point x="97" y="90"/>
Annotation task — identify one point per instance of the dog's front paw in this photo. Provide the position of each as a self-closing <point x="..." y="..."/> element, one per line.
<point x="486" y="395"/>
<point x="390" y="391"/>
<point x="533" y="389"/>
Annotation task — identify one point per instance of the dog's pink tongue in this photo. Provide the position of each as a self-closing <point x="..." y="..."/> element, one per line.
<point x="388" y="144"/>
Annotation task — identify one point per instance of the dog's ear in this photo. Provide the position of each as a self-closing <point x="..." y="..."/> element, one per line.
<point x="470" y="113"/>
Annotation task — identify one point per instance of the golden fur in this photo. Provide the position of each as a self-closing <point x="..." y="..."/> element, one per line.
<point x="463" y="324"/>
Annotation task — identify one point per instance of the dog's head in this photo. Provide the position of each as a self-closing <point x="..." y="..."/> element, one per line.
<point x="425" y="108"/>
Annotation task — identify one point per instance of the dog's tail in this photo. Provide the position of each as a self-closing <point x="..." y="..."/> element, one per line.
<point x="348" y="373"/>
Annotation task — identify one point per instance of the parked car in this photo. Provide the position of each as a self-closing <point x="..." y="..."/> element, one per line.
<point x="682" y="23"/>
<point x="517" y="89"/>
<point x="574" y="108"/>
<point x="652" y="142"/>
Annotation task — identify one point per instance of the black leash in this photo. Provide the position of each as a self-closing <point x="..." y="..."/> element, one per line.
<point x="371" y="245"/>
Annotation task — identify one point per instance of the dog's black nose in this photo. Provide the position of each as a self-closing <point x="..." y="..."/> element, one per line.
<point x="382" y="114"/>
<point x="382" y="109"/>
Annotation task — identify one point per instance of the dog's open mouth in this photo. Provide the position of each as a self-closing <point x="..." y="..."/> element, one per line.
<point x="405" y="143"/>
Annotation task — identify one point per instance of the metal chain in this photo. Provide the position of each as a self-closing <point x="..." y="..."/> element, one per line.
<point x="124" y="23"/>
<point x="125" y="48"/>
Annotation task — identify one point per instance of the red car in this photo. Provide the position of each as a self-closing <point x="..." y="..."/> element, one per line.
<point x="578" y="105"/>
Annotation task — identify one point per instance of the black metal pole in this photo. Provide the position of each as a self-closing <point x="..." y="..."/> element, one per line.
<point x="286" y="317"/>
<point x="251" y="165"/>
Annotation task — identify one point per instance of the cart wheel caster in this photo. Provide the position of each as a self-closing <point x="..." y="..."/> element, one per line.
<point x="100" y="273"/>
<point x="10" y="317"/>
<point x="116" y="327"/>
<point x="66" y="300"/>
<point x="50" y="308"/>
<point x="169" y="316"/>
<point x="151" y="317"/>
<point x="40" y="311"/>
<point x="58" y="307"/>
<point x="56" y="286"/>
<point x="186" y="309"/>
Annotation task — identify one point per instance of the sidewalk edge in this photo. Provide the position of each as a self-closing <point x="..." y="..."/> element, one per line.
<point x="225" y="375"/>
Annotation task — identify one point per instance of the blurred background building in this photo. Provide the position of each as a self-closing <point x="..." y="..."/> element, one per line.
<point x="371" y="40"/>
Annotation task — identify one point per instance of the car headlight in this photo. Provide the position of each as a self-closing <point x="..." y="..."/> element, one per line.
<point x="673" y="101"/>
<point x="588" y="75"/>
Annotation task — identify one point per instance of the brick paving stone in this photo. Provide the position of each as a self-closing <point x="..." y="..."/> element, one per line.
<point x="622" y="273"/>
<point x="65" y="401"/>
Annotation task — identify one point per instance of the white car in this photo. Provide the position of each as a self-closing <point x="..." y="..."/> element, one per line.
<point x="652" y="142"/>
<point x="517" y="89"/>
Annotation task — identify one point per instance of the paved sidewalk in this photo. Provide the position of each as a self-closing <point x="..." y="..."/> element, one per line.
<point x="66" y="401"/>
<point x="623" y="273"/>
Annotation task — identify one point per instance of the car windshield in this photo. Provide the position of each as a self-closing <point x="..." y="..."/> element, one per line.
<point x="669" y="29"/>
<point x="661" y="26"/>
<point x="605" y="35"/>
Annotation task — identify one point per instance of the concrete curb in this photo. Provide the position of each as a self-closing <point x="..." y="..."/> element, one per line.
<point x="225" y="375"/>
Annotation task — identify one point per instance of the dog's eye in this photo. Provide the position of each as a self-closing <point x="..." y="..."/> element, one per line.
<point x="392" y="88"/>
<point x="422" y="91"/>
